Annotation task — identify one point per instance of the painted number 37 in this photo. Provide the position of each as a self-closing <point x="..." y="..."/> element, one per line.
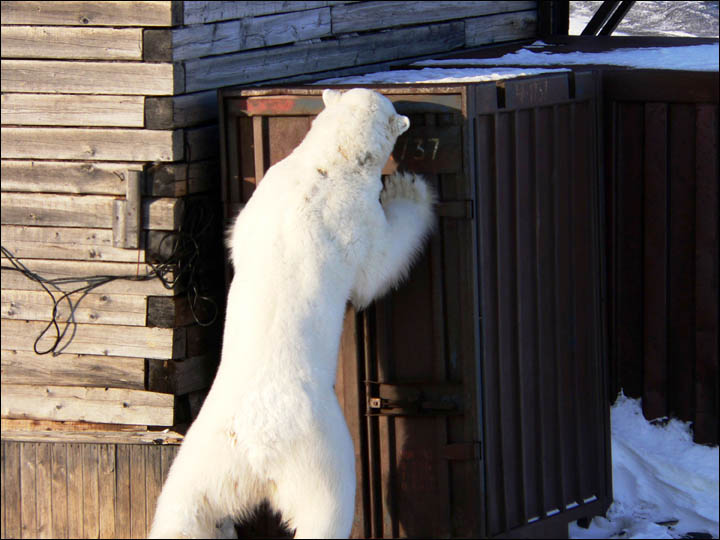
<point x="418" y="148"/>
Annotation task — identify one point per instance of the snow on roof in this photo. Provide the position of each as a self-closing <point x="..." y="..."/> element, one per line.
<point x="688" y="57"/>
<point x="437" y="75"/>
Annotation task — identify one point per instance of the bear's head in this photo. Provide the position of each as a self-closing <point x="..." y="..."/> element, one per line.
<point x="357" y="128"/>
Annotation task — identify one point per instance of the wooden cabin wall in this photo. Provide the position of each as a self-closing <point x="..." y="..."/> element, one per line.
<point x="81" y="490"/>
<point x="96" y="95"/>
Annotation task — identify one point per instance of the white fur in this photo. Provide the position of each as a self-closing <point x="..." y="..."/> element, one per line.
<point x="313" y="236"/>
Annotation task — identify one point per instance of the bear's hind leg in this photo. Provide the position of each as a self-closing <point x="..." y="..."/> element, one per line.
<point x="315" y="488"/>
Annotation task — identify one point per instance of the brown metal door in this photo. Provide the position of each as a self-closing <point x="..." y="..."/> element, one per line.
<point x="545" y="410"/>
<point x="417" y="351"/>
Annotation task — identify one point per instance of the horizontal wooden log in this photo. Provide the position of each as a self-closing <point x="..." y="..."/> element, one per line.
<point x="26" y="367"/>
<point x="106" y="13"/>
<point x="49" y="269"/>
<point x="169" y="437"/>
<point x="104" y="340"/>
<point x="180" y="377"/>
<point x="72" y="110"/>
<point x="247" y="33"/>
<point x="285" y="61"/>
<point x="363" y="16"/>
<point x="28" y="424"/>
<point x="107" y="405"/>
<point x="180" y="111"/>
<point x="90" y="211"/>
<point x="96" y="144"/>
<point x="105" y="308"/>
<point x="67" y="243"/>
<point x="58" y="42"/>
<point x="179" y="179"/>
<point x="201" y="142"/>
<point x="65" y="177"/>
<point x="89" y="77"/>
<point x="500" y="28"/>
<point x="209" y="11"/>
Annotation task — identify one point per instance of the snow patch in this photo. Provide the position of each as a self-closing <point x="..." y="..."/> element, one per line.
<point x="664" y="484"/>
<point x="689" y="57"/>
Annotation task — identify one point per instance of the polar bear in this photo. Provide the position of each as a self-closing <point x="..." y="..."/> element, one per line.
<point x="320" y="229"/>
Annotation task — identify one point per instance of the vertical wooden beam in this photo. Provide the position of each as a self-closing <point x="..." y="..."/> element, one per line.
<point x="122" y="491"/>
<point x="74" y="490"/>
<point x="43" y="480"/>
<point x="138" y="521"/>
<point x="11" y="486"/>
<point x="28" y="490"/>
<point x="59" y="490"/>
<point x="106" y="489"/>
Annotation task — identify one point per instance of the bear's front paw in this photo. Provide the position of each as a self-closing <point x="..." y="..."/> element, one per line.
<point x="406" y="185"/>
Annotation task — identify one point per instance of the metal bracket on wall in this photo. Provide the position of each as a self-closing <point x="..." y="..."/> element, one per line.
<point x="126" y="213"/>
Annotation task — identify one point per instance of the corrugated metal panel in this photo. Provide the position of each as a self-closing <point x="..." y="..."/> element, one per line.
<point x="662" y="130"/>
<point x="474" y="392"/>
<point x="539" y="233"/>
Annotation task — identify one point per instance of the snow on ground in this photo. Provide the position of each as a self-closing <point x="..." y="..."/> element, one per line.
<point x="664" y="485"/>
<point x="690" y="57"/>
<point x="680" y="19"/>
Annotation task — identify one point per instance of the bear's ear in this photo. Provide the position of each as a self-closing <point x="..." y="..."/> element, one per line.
<point x="330" y="97"/>
<point x="400" y="123"/>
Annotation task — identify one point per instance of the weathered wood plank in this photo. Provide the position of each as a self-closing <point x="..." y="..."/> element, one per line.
<point x="248" y="33"/>
<point x="164" y="437"/>
<point x="28" y="507"/>
<point x="15" y="280"/>
<point x="11" y="481"/>
<point x="89" y="211"/>
<point x="91" y="77"/>
<point x="72" y="110"/>
<point x="43" y="484"/>
<point x="113" y="405"/>
<point x="208" y="11"/>
<point x="362" y="16"/>
<point x="122" y="492"/>
<point x="180" y="111"/>
<point x="201" y="143"/>
<point x="97" y="144"/>
<point x="125" y="310"/>
<point x="180" y="377"/>
<point x="154" y="480"/>
<point x="98" y="339"/>
<point x="26" y="367"/>
<point x="66" y="243"/>
<point x="28" y="424"/>
<point x="68" y="42"/>
<point x="106" y="490"/>
<point x="107" y="13"/>
<point x="179" y="179"/>
<point x="498" y="28"/>
<point x="2" y="489"/>
<point x="138" y="521"/>
<point x="65" y="177"/>
<point x="74" y="490"/>
<point x="59" y="490"/>
<point x="91" y="525"/>
<point x="285" y="61"/>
